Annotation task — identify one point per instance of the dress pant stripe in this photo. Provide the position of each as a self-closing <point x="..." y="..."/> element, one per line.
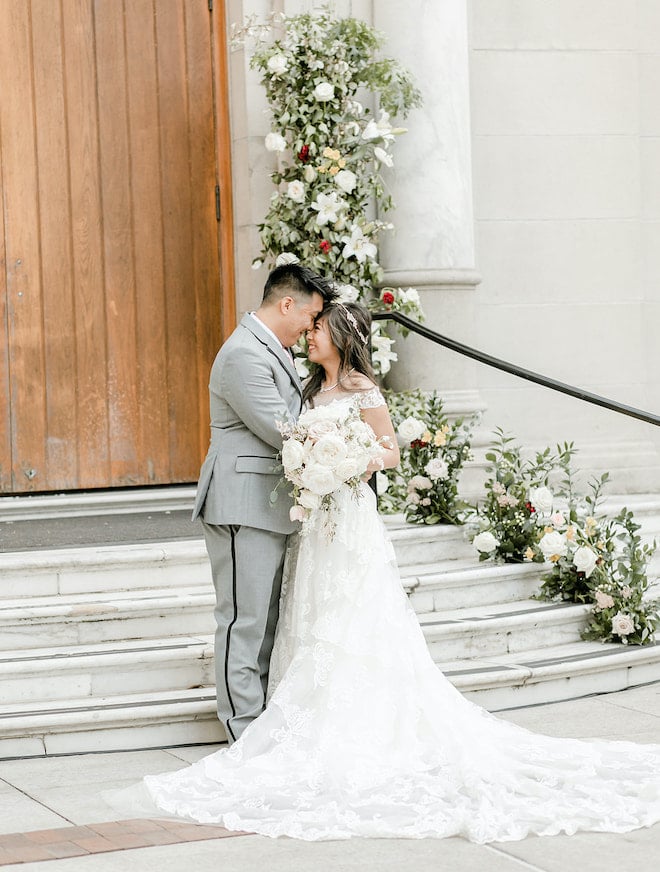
<point x="233" y="530"/>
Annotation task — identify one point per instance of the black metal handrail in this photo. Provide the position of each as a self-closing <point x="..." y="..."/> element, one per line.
<point x="505" y="366"/>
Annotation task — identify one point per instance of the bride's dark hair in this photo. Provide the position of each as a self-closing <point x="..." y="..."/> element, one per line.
<point x="349" y="326"/>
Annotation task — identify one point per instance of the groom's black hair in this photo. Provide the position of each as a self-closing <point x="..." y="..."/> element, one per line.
<point x="294" y="278"/>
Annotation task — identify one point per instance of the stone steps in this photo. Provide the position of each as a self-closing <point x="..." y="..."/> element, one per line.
<point x="104" y="670"/>
<point x="110" y="647"/>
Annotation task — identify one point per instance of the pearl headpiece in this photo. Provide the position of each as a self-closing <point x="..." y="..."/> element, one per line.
<point x="350" y="317"/>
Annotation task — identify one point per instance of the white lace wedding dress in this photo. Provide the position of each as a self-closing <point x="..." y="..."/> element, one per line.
<point x="363" y="736"/>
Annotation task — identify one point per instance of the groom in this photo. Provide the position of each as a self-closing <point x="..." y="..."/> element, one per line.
<point x="253" y="385"/>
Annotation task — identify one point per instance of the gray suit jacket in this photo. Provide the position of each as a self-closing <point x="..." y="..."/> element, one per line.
<point x="253" y="384"/>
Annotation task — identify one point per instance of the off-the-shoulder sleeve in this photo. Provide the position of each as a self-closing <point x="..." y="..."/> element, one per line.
<point x="371" y="399"/>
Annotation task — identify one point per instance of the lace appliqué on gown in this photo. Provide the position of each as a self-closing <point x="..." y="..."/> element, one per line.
<point x="363" y="736"/>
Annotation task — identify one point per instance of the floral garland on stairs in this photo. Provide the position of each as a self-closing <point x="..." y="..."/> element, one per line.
<point x="594" y="559"/>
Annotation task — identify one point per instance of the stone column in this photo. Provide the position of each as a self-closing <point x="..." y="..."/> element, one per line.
<point x="432" y="246"/>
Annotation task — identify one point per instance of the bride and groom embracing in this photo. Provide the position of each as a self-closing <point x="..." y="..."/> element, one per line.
<point x="338" y="720"/>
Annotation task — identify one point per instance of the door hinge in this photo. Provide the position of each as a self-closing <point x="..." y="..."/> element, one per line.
<point x="217" y="202"/>
<point x="210" y="5"/>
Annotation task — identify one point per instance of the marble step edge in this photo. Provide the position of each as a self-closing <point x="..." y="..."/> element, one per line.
<point x="535" y="665"/>
<point x="527" y="615"/>
<point x="108" y="655"/>
<point x="125" y="709"/>
<point x="95" y="607"/>
<point x="564" y="679"/>
<point x="93" y="557"/>
<point x="107" y="502"/>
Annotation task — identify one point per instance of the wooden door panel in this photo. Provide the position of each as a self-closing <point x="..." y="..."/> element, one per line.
<point x="25" y="315"/>
<point x="61" y="460"/>
<point x="110" y="302"/>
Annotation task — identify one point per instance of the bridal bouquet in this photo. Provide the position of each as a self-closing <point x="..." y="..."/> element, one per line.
<point x="326" y="448"/>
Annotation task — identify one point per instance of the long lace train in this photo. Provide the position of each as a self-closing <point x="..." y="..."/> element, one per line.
<point x="363" y="736"/>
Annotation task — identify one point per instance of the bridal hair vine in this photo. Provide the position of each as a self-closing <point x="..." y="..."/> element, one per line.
<point x="350" y="317"/>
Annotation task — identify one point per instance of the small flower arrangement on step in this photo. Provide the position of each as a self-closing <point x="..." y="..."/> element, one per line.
<point x="599" y="560"/>
<point x="619" y="586"/>
<point x="433" y="452"/>
<point x="506" y="527"/>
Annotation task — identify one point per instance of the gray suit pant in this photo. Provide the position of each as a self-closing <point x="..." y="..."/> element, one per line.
<point x="246" y="564"/>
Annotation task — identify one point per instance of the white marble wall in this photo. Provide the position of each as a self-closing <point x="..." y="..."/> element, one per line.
<point x="566" y="144"/>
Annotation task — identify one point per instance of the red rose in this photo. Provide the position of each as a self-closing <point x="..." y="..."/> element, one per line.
<point x="530" y="508"/>
<point x="303" y="154"/>
<point x="388" y="298"/>
<point x="324" y="245"/>
<point x="418" y="443"/>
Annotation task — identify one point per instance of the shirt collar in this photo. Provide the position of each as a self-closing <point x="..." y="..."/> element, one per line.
<point x="268" y="330"/>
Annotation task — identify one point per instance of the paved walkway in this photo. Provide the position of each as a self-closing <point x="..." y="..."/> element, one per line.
<point x="54" y="820"/>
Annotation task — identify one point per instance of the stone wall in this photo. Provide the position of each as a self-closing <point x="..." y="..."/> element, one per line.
<point x="566" y="163"/>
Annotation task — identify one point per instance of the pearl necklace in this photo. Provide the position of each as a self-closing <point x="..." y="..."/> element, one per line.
<point x="332" y="387"/>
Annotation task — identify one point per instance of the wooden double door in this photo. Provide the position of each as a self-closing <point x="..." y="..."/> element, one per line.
<point x="115" y="265"/>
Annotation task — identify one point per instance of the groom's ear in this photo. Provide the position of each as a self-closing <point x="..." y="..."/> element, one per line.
<point x="286" y="304"/>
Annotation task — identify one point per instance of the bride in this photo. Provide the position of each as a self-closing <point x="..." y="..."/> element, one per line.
<point x="362" y="734"/>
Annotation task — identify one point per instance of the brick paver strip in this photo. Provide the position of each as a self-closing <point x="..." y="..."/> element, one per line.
<point x="100" y="838"/>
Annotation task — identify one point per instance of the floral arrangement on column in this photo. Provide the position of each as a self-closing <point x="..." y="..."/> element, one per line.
<point x="320" y="74"/>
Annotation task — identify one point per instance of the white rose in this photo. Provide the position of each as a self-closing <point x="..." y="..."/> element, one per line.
<point x="419" y="482"/>
<point x="622" y="624"/>
<point x="585" y="560"/>
<point x="309" y="500"/>
<point x="285" y="258"/>
<point x="553" y="544"/>
<point x="346" y="180"/>
<point x="324" y="91"/>
<point x="410" y="296"/>
<point x="347" y="293"/>
<point x="350" y="467"/>
<point x="319" y="479"/>
<point x="329" y="451"/>
<point x="541" y="498"/>
<point x="411" y="429"/>
<point x="296" y="191"/>
<point x="277" y="64"/>
<point x="293" y="454"/>
<point x="330" y="412"/>
<point x="321" y="428"/>
<point x="603" y="600"/>
<point x="309" y="173"/>
<point x="485" y="542"/>
<point x="275" y="142"/>
<point x="557" y="519"/>
<point x="382" y="483"/>
<point x="436" y="469"/>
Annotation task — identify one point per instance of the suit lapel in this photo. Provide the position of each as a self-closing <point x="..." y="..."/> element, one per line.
<point x="274" y="347"/>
